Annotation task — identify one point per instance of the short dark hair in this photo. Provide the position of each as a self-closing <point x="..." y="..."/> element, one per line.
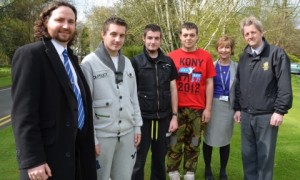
<point x="40" y="30"/>
<point x="188" y="26"/>
<point x="152" y="27"/>
<point x="114" y="20"/>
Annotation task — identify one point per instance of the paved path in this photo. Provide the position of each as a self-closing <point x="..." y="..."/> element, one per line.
<point x="5" y="107"/>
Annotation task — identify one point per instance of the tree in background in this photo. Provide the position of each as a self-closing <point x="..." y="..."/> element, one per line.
<point x="82" y="43"/>
<point x="281" y="25"/>
<point x="16" y="23"/>
<point x="94" y="23"/>
<point x="213" y="17"/>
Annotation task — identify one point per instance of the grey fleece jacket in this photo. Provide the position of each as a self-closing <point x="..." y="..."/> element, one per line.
<point x="116" y="106"/>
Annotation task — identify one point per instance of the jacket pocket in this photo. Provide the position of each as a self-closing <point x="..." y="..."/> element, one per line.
<point x="165" y="71"/>
<point x="165" y="101"/>
<point x="147" y="102"/>
<point x="130" y="74"/>
<point x="102" y="109"/>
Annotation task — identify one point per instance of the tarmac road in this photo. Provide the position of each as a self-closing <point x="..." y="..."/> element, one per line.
<point x="5" y="107"/>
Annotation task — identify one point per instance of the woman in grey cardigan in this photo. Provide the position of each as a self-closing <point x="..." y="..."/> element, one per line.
<point x="219" y="130"/>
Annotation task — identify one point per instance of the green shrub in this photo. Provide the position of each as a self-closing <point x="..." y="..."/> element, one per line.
<point x="132" y="51"/>
<point x="294" y="58"/>
<point x="5" y="71"/>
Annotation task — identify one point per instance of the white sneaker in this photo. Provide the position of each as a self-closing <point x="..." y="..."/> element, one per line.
<point x="189" y="175"/>
<point x="174" y="175"/>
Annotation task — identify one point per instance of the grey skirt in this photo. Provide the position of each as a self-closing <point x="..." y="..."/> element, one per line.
<point x="219" y="130"/>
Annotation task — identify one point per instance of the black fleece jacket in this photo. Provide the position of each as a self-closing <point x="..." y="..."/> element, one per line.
<point x="264" y="82"/>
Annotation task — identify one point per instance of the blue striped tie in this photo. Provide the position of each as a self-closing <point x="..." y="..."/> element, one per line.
<point x="75" y="89"/>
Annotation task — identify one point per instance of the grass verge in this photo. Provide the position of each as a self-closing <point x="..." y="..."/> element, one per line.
<point x="8" y="165"/>
<point x="287" y="159"/>
<point x="5" y="76"/>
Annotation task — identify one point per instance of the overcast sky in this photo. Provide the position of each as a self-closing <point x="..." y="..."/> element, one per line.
<point x="84" y="6"/>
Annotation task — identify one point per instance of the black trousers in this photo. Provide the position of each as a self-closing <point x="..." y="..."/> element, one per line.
<point x="154" y="135"/>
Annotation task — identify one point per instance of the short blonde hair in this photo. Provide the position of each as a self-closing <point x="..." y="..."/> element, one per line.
<point x="249" y="21"/>
<point x="226" y="40"/>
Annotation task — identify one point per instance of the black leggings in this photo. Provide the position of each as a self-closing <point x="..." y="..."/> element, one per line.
<point x="224" y="156"/>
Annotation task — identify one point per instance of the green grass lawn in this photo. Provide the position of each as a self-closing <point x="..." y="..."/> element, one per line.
<point x="287" y="160"/>
<point x="8" y="163"/>
<point x="5" y="76"/>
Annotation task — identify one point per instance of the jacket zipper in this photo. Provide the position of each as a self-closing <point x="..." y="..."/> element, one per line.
<point x="157" y="89"/>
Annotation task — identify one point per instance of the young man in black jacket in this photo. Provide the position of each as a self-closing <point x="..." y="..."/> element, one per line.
<point x="263" y="96"/>
<point x="156" y="84"/>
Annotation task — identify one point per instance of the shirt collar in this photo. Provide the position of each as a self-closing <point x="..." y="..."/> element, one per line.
<point x="59" y="48"/>
<point x="259" y="49"/>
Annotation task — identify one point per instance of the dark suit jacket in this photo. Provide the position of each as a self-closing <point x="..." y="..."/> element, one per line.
<point x="44" y="114"/>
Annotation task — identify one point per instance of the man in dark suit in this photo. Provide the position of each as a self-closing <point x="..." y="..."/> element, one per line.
<point x="52" y="111"/>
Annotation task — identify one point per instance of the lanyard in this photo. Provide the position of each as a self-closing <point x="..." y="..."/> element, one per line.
<point x="222" y="78"/>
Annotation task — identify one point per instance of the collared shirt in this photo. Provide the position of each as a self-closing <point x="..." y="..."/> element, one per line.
<point x="259" y="49"/>
<point x="59" y="48"/>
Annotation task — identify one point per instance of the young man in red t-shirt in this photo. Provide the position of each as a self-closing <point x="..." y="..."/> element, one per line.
<point x="195" y="92"/>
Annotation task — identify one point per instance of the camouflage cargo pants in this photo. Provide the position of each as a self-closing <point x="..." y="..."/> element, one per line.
<point x="186" y="141"/>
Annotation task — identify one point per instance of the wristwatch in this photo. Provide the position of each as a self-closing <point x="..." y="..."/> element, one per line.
<point x="174" y="114"/>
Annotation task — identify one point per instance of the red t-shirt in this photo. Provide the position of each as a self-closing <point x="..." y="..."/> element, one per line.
<point x="193" y="70"/>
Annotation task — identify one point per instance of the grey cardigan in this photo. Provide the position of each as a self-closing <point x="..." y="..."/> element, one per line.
<point x="232" y="70"/>
<point x="116" y="106"/>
